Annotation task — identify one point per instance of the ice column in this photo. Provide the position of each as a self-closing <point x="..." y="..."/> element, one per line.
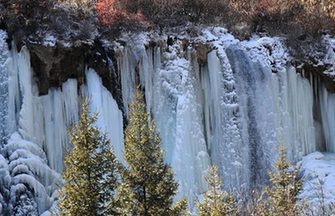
<point x="24" y="105"/>
<point x="222" y="120"/>
<point x="110" y="119"/>
<point x="127" y="64"/>
<point x="293" y="107"/>
<point x="327" y="106"/>
<point x="60" y="111"/>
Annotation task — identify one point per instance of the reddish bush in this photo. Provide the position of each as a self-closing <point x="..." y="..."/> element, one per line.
<point x="112" y="13"/>
<point x="107" y="11"/>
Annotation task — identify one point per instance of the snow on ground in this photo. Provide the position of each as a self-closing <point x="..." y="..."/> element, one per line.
<point x="318" y="171"/>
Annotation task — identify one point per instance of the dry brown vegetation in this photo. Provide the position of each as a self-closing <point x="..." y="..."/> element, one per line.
<point x="27" y="19"/>
<point x="297" y="19"/>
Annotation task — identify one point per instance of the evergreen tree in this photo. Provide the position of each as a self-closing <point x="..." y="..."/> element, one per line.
<point x="216" y="202"/>
<point x="149" y="184"/>
<point x="90" y="171"/>
<point x="284" y="188"/>
<point x="108" y="178"/>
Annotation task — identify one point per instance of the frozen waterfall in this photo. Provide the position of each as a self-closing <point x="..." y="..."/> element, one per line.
<point x="232" y="109"/>
<point x="39" y="124"/>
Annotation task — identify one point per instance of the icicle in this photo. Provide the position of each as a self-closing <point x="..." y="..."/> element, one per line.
<point x="56" y="137"/>
<point x="60" y="111"/>
<point x="71" y="103"/>
<point x="14" y="102"/>
<point x="127" y="67"/>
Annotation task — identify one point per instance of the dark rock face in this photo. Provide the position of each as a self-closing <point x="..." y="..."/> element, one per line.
<point x="103" y="61"/>
<point x="53" y="65"/>
<point x="318" y="71"/>
<point x="202" y="50"/>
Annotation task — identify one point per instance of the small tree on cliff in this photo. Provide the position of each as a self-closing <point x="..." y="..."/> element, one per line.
<point x="216" y="202"/>
<point x="149" y="184"/>
<point x="90" y="170"/>
<point x="284" y="188"/>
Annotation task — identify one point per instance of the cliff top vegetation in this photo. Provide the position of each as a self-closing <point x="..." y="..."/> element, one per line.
<point x="73" y="20"/>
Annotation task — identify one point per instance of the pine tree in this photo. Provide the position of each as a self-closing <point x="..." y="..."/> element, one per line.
<point x="149" y="184"/>
<point x="216" y="202"/>
<point x="90" y="174"/>
<point x="284" y="188"/>
<point x="108" y="178"/>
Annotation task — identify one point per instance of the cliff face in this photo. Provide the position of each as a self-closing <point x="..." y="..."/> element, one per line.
<point x="215" y="100"/>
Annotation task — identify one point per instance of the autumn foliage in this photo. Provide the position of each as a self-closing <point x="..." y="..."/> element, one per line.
<point x="114" y="13"/>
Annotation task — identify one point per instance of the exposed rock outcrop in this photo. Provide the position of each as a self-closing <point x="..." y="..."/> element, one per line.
<point x="53" y="65"/>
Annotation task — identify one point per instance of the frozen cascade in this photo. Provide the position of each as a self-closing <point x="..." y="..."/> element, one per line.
<point x="60" y="110"/>
<point x="296" y="124"/>
<point x="40" y="123"/>
<point x="14" y="101"/>
<point x="174" y="101"/>
<point x="39" y="131"/>
<point x="273" y="109"/>
<point x="233" y="111"/>
<point x="291" y="100"/>
<point x="222" y="120"/>
<point x="42" y="119"/>
<point x="238" y="108"/>
<point x="110" y="119"/>
<point x="53" y="113"/>
<point x="189" y="157"/>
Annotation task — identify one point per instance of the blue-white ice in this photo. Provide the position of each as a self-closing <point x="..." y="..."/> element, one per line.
<point x="39" y="127"/>
<point x="4" y="54"/>
<point x="234" y="112"/>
